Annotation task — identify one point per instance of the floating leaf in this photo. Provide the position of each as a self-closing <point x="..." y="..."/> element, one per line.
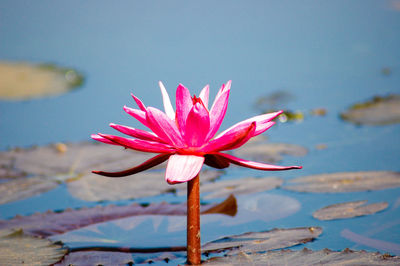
<point x="16" y="248"/>
<point x="263" y="241"/>
<point x="24" y="188"/>
<point x="59" y="159"/>
<point x="345" y="182"/>
<point x="117" y="258"/>
<point x="220" y="189"/>
<point x="348" y="210"/>
<point x="270" y="152"/>
<point x="50" y="223"/>
<point x="47" y="166"/>
<point x="20" y="81"/>
<point x="93" y="187"/>
<point x="378" y="111"/>
<point x="273" y="100"/>
<point x="371" y="242"/>
<point x="139" y="232"/>
<point x="307" y="257"/>
<point x="97" y="258"/>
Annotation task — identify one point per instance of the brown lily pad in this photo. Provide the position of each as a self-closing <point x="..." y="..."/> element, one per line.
<point x="69" y="158"/>
<point x="98" y="257"/>
<point x="371" y="242"/>
<point x="220" y="189"/>
<point x="137" y="233"/>
<point x="263" y="241"/>
<point x="345" y="182"/>
<point x="16" y="248"/>
<point x="93" y="187"/>
<point x="307" y="257"/>
<point x="51" y="223"/>
<point x="378" y="111"/>
<point x="23" y="188"/>
<point x="270" y="152"/>
<point x="36" y="170"/>
<point x="348" y="210"/>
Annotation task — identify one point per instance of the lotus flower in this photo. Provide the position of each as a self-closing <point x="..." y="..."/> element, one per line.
<point x="186" y="137"/>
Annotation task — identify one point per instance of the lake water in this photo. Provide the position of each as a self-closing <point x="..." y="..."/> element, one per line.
<point x="328" y="54"/>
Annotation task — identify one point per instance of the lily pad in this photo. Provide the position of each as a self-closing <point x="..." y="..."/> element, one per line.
<point x="345" y="182"/>
<point x="263" y="241"/>
<point x="349" y="210"/>
<point x="391" y="247"/>
<point x="51" y="223"/>
<point x="93" y="187"/>
<point x="117" y="258"/>
<point x="138" y="232"/>
<point x="270" y="152"/>
<point x="220" y="189"/>
<point x="307" y="257"/>
<point x="23" y="188"/>
<point x="274" y="100"/>
<point x="16" y="248"/>
<point x="59" y="159"/>
<point x="36" y="170"/>
<point x="378" y="111"/>
<point x="20" y="81"/>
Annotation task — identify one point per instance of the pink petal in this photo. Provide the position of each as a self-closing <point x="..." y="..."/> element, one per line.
<point x="137" y="133"/>
<point x="218" y="111"/>
<point x="183" y="168"/>
<point x="222" y="90"/>
<point x="142" y="167"/>
<point x="262" y="128"/>
<point x="256" y="165"/>
<point x="101" y="139"/>
<point x="164" y="127"/>
<point x="204" y="95"/>
<point x="169" y="110"/>
<point x="138" y="114"/>
<point x="260" y="121"/>
<point x="184" y="104"/>
<point x="197" y="126"/>
<point x="139" y="145"/>
<point x="139" y="103"/>
<point x="216" y="161"/>
<point x="232" y="139"/>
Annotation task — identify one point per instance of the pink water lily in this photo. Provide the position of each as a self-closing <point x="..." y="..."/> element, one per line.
<point x="186" y="137"/>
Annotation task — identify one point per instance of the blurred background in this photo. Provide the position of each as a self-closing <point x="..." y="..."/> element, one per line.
<point x="314" y="59"/>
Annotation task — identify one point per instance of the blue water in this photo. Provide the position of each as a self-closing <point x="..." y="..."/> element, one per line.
<point x="327" y="54"/>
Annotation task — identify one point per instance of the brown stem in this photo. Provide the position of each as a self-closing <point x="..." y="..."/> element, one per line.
<point x="193" y="222"/>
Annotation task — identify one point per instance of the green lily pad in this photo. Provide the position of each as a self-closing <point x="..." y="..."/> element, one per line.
<point x="263" y="241"/>
<point x="220" y="189"/>
<point x="269" y="152"/>
<point x="21" y="81"/>
<point x="307" y="257"/>
<point x="378" y="111"/>
<point x="345" y="182"/>
<point x="16" y="248"/>
<point x="349" y="210"/>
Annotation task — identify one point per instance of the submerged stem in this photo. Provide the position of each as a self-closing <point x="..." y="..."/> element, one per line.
<point x="193" y="222"/>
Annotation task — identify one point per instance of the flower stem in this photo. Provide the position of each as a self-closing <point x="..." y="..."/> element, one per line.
<point x="193" y="222"/>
